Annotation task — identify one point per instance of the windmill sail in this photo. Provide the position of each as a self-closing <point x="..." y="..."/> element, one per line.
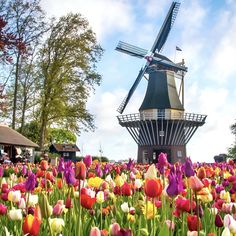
<point x="131" y="91"/>
<point x="141" y="53"/>
<point x="166" y="27"/>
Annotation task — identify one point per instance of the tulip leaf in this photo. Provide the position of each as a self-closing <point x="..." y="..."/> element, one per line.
<point x="164" y="231"/>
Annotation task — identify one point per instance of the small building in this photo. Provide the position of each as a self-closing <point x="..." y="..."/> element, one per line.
<point x="11" y="142"/>
<point x="67" y="151"/>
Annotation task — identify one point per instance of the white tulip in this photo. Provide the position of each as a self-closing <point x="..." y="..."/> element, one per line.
<point x="230" y="222"/>
<point x="125" y="207"/>
<point x="15" y="214"/>
<point x="226" y="232"/>
<point x="33" y="200"/>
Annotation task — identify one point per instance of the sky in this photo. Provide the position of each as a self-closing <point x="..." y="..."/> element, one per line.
<point x="206" y="33"/>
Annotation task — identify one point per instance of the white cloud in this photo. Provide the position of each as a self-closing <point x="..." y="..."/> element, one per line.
<point x="105" y="16"/>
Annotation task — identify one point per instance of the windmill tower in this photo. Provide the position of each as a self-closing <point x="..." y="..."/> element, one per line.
<point x="162" y="125"/>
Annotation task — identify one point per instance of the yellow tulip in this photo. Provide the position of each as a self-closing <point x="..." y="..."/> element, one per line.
<point x="150" y="212"/>
<point x="119" y="181"/>
<point x="95" y="182"/>
<point x="100" y="197"/>
<point x="57" y="225"/>
<point x="151" y="172"/>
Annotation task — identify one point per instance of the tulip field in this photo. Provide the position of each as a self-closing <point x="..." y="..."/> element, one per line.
<point x="90" y="198"/>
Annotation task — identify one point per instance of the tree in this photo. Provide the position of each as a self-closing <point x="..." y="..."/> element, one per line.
<point x="27" y="22"/>
<point x="8" y="42"/>
<point x="31" y="131"/>
<point x="232" y="149"/>
<point x="68" y="70"/>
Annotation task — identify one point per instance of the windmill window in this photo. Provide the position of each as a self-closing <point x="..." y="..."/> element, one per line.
<point x="179" y="154"/>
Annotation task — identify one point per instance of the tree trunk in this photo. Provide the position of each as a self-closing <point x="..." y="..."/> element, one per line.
<point x="15" y="90"/>
<point x="23" y="114"/>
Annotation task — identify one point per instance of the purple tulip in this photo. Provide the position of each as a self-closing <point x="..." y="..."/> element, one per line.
<point x="219" y="188"/>
<point x="88" y="160"/>
<point x="24" y="170"/>
<point x="30" y="182"/>
<point x="176" y="185"/>
<point x="69" y="174"/>
<point x="61" y="165"/>
<point x="98" y="170"/>
<point x="188" y="168"/>
<point x="130" y="164"/>
<point x="172" y="189"/>
<point x="106" y="168"/>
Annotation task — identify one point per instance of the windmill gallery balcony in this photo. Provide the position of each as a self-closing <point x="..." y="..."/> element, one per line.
<point x="161" y="128"/>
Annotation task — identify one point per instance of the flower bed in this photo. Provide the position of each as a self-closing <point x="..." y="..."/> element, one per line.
<point x="92" y="198"/>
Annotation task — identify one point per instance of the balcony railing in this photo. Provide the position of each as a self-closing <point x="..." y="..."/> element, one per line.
<point x="167" y="115"/>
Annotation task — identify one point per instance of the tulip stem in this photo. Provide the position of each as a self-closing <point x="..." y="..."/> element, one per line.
<point x="154" y="229"/>
<point x="79" y="211"/>
<point x="27" y="201"/>
<point x="101" y="216"/>
<point x="197" y="207"/>
<point x="182" y="217"/>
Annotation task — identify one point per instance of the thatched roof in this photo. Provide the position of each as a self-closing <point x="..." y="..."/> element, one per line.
<point x="8" y="136"/>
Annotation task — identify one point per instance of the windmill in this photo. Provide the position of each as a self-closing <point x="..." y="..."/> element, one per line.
<point x="162" y="125"/>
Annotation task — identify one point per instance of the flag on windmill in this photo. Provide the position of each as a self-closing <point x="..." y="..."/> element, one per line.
<point x="178" y="49"/>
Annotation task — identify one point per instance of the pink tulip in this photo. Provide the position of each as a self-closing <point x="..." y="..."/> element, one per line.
<point x="114" y="229"/>
<point x="88" y="160"/>
<point x="3" y="209"/>
<point x="58" y="208"/>
<point x="95" y="232"/>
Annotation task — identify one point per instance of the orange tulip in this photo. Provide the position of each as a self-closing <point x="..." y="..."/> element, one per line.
<point x="80" y="170"/>
<point x="201" y="173"/>
<point x="153" y="187"/>
<point x="195" y="183"/>
<point x="59" y="183"/>
<point x="44" y="165"/>
<point x="31" y="225"/>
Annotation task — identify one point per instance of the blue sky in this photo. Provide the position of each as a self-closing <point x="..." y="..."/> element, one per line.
<point x="206" y="33"/>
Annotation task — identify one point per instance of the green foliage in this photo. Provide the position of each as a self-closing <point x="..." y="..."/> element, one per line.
<point x="31" y="131"/>
<point x="232" y="149"/>
<point x="61" y="135"/>
<point x="53" y="155"/>
<point x="103" y="159"/>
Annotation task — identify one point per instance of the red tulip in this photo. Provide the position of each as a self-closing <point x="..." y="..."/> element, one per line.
<point x="87" y="201"/>
<point x="69" y="202"/>
<point x="183" y="204"/>
<point x="193" y="221"/>
<point x="126" y="189"/>
<point x="218" y="221"/>
<point x="80" y="170"/>
<point x="153" y="187"/>
<point x="31" y="225"/>
<point x="195" y="183"/>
